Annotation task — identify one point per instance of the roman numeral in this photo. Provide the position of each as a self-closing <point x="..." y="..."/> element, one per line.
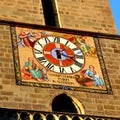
<point x="40" y="44"/>
<point x="74" y="49"/>
<point x="78" y="53"/>
<point x="57" y="39"/>
<point x="50" y="66"/>
<point x="44" y="62"/>
<point x="72" y="70"/>
<point x="47" y="40"/>
<point x="78" y="63"/>
<point x="66" y="42"/>
<point x="79" y="56"/>
<point x="41" y="59"/>
<point x="36" y="51"/>
<point x="62" y="70"/>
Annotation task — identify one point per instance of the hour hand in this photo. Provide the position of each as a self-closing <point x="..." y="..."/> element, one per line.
<point x="58" y="53"/>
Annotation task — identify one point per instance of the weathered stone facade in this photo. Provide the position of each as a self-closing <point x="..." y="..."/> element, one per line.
<point x="87" y="15"/>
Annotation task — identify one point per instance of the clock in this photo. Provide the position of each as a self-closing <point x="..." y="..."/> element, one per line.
<point x="58" y="55"/>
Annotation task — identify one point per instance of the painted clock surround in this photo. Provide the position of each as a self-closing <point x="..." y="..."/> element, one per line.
<point x="62" y="56"/>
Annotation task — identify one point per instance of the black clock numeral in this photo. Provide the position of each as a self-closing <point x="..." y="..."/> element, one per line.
<point x="74" y="49"/>
<point x="72" y="70"/>
<point x="40" y="44"/>
<point x="36" y="51"/>
<point x="41" y="59"/>
<point x="79" y="56"/>
<point x="47" y="40"/>
<point x="57" y="39"/>
<point x="62" y="70"/>
<point x="66" y="43"/>
<point x="50" y="66"/>
<point x="44" y="62"/>
<point x="78" y="63"/>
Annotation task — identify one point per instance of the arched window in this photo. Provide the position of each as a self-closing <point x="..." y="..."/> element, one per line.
<point x="64" y="103"/>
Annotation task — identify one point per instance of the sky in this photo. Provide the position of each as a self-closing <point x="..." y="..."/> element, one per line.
<point x="115" y="6"/>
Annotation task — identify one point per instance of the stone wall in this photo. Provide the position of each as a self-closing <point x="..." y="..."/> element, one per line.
<point x="22" y="11"/>
<point x="89" y="15"/>
<point x="40" y="99"/>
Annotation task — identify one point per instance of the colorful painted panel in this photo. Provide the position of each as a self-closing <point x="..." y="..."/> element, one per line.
<point x="58" y="60"/>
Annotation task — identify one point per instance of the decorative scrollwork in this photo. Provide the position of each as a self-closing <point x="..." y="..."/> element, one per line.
<point x="8" y="114"/>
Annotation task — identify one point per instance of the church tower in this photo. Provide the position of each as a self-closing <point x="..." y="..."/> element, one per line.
<point x="59" y="60"/>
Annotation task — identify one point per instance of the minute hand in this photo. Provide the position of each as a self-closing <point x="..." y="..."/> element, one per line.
<point x="68" y="56"/>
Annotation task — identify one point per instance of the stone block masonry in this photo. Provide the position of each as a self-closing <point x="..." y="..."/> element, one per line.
<point x="87" y="15"/>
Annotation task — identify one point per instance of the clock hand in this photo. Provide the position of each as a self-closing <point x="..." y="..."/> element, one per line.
<point x="72" y="56"/>
<point x="68" y="56"/>
<point x="61" y="53"/>
<point x="58" y="53"/>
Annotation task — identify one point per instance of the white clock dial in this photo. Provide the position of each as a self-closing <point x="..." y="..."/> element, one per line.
<point x="58" y="55"/>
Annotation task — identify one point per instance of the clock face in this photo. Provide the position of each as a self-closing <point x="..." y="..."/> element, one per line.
<point x="58" y="55"/>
